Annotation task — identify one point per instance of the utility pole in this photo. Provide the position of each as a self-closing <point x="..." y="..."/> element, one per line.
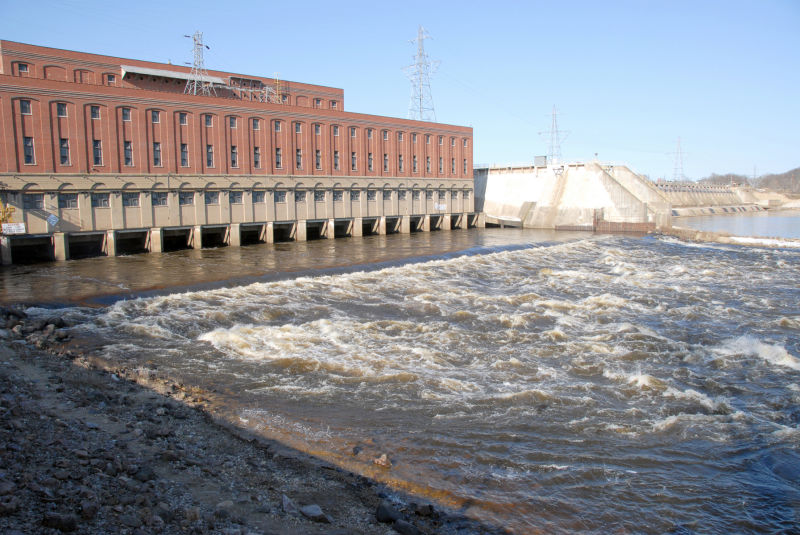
<point x="677" y="171"/>
<point x="198" y="82"/>
<point x="555" y="135"/>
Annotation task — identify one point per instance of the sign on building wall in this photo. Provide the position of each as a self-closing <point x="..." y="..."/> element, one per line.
<point x="13" y="228"/>
<point x="52" y="219"/>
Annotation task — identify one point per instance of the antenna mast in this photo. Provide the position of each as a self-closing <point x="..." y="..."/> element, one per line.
<point x="421" y="105"/>
<point x="198" y="82"/>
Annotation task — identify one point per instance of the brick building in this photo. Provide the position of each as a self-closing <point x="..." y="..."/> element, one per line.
<point x="103" y="154"/>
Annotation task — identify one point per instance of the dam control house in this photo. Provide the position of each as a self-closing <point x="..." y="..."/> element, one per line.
<point x="103" y="155"/>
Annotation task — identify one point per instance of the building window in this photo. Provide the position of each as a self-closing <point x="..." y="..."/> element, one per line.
<point x="235" y="197"/>
<point x="336" y="160"/>
<point x="441" y="165"/>
<point x="299" y="196"/>
<point x="369" y="161"/>
<point x="94" y="112"/>
<point x="338" y="195"/>
<point x="280" y="196"/>
<point x="22" y="68"/>
<point x="355" y="195"/>
<point x="316" y="129"/>
<point x="317" y="102"/>
<point x="298" y="158"/>
<point x="99" y="200"/>
<point x="318" y="159"/>
<point x="232" y="122"/>
<point x="277" y="126"/>
<point x="353" y="161"/>
<point x="257" y="157"/>
<point x="211" y="197"/>
<point x="184" y="155"/>
<point x="97" y="151"/>
<point x="429" y="195"/>
<point x="297" y="128"/>
<point x="27" y="150"/>
<point x="415" y="195"/>
<point x="441" y="140"/>
<point x="63" y="149"/>
<point x="399" y="136"/>
<point x="185" y="198"/>
<point x="427" y="139"/>
<point x="67" y="200"/>
<point x="413" y="138"/>
<point x="278" y="158"/>
<point x="209" y="155"/>
<point x="234" y="156"/>
<point x="259" y="196"/>
<point x="442" y="195"/>
<point x="25" y="107"/>
<point x="400" y="163"/>
<point x="385" y="162"/>
<point x="111" y="80"/>
<point x="465" y="143"/>
<point x="401" y="195"/>
<point x="387" y="195"/>
<point x="61" y="109"/>
<point x="126" y="114"/>
<point x="334" y="104"/>
<point x="454" y="195"/>
<point x="465" y="167"/>
<point x="465" y="195"/>
<point x="209" y="120"/>
<point x="452" y="142"/>
<point x="352" y="131"/>
<point x="335" y="130"/>
<point x="130" y="199"/>
<point x="453" y="166"/>
<point x="33" y="201"/>
<point x="369" y="133"/>
<point x="157" y="154"/>
<point x="414" y="163"/>
<point x="319" y="196"/>
<point x="427" y="164"/>
<point x="158" y="198"/>
<point x="127" y="152"/>
<point x="155" y="116"/>
<point x="256" y="124"/>
<point x="386" y="135"/>
<point x="372" y="195"/>
<point x="284" y="99"/>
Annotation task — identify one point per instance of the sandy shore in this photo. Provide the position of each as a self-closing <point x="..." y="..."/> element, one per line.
<point x="89" y="449"/>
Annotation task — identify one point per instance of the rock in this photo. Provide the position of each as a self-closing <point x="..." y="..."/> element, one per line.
<point x="386" y="513"/>
<point x="314" y="512"/>
<point x="424" y="509"/>
<point x="145" y="474"/>
<point x="8" y="505"/>
<point x="131" y="520"/>
<point x="56" y="321"/>
<point x="223" y="509"/>
<point x="288" y="505"/>
<point x="405" y="528"/>
<point x="383" y="461"/>
<point x="60" y="522"/>
<point x="5" y="334"/>
<point x="7" y="487"/>
<point x="89" y="508"/>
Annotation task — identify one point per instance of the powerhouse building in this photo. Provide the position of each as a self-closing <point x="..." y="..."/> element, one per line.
<point x="103" y="155"/>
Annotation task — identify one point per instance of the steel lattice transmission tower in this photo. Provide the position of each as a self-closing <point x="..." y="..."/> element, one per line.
<point x="421" y="105"/>
<point x="677" y="171"/>
<point x="554" y="144"/>
<point x="198" y="82"/>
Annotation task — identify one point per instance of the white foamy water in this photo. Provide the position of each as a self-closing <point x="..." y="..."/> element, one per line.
<point x="584" y="386"/>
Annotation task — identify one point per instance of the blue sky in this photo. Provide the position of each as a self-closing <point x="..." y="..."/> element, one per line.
<point x="628" y="77"/>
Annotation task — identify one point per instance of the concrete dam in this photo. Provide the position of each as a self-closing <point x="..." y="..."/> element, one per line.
<point x="597" y="196"/>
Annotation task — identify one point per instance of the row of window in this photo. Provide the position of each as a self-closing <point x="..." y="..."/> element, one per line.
<point x="155" y="117"/>
<point x="127" y="153"/>
<point x="35" y="201"/>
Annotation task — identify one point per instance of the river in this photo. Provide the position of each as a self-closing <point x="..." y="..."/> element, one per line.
<point x="543" y="382"/>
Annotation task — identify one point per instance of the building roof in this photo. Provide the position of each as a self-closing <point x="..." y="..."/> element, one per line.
<point x="168" y="74"/>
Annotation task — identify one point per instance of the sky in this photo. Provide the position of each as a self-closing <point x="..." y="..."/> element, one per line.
<point x="628" y="78"/>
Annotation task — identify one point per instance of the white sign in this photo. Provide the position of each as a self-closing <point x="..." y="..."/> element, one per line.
<point x="439" y="206"/>
<point x="13" y="228"/>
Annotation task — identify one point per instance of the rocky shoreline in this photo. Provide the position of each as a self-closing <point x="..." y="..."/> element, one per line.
<point x="88" y="448"/>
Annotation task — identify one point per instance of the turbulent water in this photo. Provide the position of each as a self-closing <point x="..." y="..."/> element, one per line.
<point x="603" y="384"/>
